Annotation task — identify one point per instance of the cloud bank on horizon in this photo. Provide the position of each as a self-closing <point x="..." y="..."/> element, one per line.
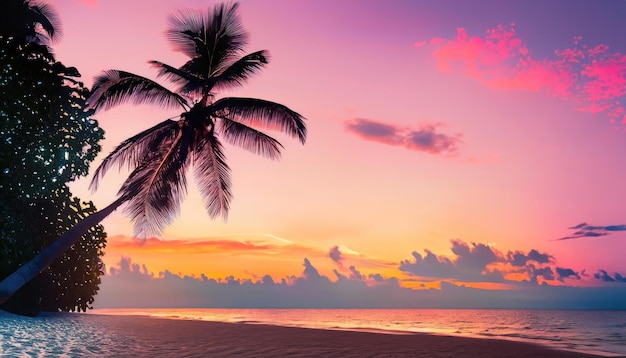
<point x="132" y="285"/>
<point x="531" y="280"/>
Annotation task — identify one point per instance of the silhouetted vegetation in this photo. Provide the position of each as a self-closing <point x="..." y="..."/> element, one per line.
<point x="159" y="157"/>
<point x="214" y="42"/>
<point x="28" y="227"/>
<point x="30" y="21"/>
<point x="47" y="140"/>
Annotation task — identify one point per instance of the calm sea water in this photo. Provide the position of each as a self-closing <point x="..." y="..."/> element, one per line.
<point x="598" y="332"/>
<point x="70" y="335"/>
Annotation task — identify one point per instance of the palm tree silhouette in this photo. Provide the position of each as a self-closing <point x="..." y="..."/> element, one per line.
<point x="159" y="157"/>
<point x="29" y="20"/>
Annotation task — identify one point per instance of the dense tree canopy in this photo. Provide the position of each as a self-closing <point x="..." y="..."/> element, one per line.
<point x="26" y="228"/>
<point x="32" y="21"/>
<point x="51" y="138"/>
<point x="48" y="140"/>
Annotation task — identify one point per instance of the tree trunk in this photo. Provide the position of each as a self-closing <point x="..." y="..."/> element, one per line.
<point x="31" y="269"/>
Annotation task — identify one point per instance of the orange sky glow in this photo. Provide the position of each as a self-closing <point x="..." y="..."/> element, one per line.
<point x="449" y="141"/>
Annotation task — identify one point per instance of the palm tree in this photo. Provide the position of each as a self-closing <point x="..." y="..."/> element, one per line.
<point x="30" y="20"/>
<point x="160" y="157"/>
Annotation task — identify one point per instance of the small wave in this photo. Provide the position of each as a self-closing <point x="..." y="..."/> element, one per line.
<point x="250" y="322"/>
<point x="533" y="337"/>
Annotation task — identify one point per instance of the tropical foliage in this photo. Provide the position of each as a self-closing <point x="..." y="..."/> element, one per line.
<point x="28" y="227"/>
<point x="43" y="121"/>
<point x="159" y="157"/>
<point x="47" y="141"/>
<point x="30" y="20"/>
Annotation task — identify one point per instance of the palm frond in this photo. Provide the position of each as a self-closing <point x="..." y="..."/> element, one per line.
<point x="237" y="73"/>
<point x="113" y="87"/>
<point x="197" y="66"/>
<point x="184" y="27"/>
<point x="133" y="151"/>
<point x="217" y="35"/>
<point x="172" y="73"/>
<point x="187" y="80"/>
<point x="46" y="16"/>
<point x="250" y="139"/>
<point x="212" y="175"/>
<point x="156" y="188"/>
<point x="262" y="114"/>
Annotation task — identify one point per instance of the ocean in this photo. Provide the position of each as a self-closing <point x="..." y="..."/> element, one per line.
<point x="596" y="332"/>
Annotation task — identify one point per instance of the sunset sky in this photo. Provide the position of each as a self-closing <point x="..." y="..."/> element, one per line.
<point x="474" y="143"/>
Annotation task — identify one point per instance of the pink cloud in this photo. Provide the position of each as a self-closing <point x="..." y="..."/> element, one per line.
<point x="593" y="79"/>
<point x="425" y="138"/>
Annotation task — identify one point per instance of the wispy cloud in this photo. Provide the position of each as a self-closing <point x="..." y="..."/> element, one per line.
<point x="154" y="244"/>
<point x="261" y="244"/>
<point x="586" y="230"/>
<point x="425" y="138"/>
<point x="604" y="276"/>
<point x="592" y="78"/>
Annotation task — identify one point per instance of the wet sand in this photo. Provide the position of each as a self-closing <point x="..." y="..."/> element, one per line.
<point x="94" y="335"/>
<point x="154" y="337"/>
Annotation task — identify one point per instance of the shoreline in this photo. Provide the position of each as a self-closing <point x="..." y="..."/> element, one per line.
<point x="102" y="335"/>
<point x="558" y="337"/>
<point x="251" y="339"/>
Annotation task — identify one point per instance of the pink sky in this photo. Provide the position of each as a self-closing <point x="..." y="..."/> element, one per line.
<point x="444" y="139"/>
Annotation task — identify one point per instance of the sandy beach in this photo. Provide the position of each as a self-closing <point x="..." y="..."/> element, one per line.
<point x="85" y="335"/>
<point x="211" y="339"/>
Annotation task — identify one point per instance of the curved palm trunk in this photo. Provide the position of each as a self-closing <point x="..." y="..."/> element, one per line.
<point x="28" y="271"/>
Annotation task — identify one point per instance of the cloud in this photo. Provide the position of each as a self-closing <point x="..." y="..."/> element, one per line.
<point x="232" y="245"/>
<point x="154" y="244"/>
<point x="604" y="276"/>
<point x="475" y="258"/>
<point x="425" y="138"/>
<point x="545" y="272"/>
<point x="356" y="275"/>
<point x="127" y="267"/>
<point x="479" y="262"/>
<point x="586" y="230"/>
<point x="335" y="254"/>
<point x="469" y="265"/>
<point x="566" y="273"/>
<point x="132" y="285"/>
<point x="311" y="272"/>
<point x="519" y="259"/>
<point x="591" y="78"/>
